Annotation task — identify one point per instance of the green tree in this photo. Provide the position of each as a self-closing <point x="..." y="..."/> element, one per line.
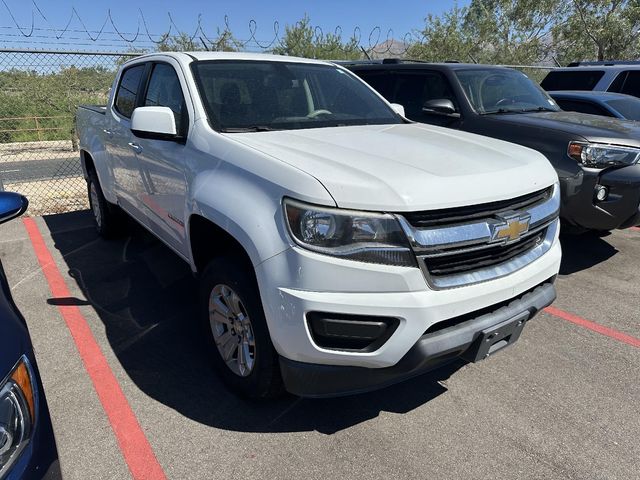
<point x="599" y="29"/>
<point x="181" y="42"/>
<point x="443" y="38"/>
<point x="490" y="31"/>
<point x="512" y="32"/>
<point x="304" y="40"/>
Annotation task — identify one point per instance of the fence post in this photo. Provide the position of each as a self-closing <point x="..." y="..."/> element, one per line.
<point x="38" y="129"/>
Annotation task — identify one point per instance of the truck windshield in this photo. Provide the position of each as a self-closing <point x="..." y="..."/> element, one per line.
<point x="493" y="90"/>
<point x="262" y="95"/>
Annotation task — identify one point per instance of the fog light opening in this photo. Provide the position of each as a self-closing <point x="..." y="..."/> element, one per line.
<point x="601" y="193"/>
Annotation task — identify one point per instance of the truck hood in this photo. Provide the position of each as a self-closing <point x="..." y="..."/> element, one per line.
<point x="407" y="167"/>
<point x="593" y="128"/>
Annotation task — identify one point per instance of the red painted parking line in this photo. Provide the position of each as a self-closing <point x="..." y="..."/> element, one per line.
<point x="637" y="229"/>
<point x="133" y="443"/>
<point x="596" y="327"/>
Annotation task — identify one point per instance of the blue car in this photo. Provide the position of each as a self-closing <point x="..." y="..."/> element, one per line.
<point x="27" y="444"/>
<point x="607" y="104"/>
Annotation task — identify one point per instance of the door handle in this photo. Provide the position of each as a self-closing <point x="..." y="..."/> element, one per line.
<point x="135" y="147"/>
<point x="108" y="132"/>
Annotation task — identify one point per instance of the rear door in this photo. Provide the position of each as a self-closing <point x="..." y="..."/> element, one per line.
<point x="119" y="140"/>
<point x="162" y="163"/>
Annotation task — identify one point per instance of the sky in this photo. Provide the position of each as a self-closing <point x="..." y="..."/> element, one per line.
<point x="401" y="17"/>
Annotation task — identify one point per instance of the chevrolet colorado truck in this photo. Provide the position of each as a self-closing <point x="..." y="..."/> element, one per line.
<point x="596" y="158"/>
<point x="339" y="247"/>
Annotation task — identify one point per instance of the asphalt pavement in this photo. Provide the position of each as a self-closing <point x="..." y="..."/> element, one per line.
<point x="562" y="403"/>
<point x="33" y="170"/>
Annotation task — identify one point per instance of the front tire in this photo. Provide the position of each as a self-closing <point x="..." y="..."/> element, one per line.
<point x="235" y="330"/>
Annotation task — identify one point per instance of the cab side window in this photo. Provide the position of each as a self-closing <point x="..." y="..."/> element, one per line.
<point x="125" y="101"/>
<point x="582" y="107"/>
<point x="381" y="81"/>
<point x="412" y="91"/>
<point x="164" y="90"/>
<point x="627" y="82"/>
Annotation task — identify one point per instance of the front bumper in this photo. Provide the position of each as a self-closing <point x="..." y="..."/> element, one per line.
<point x="620" y="210"/>
<point x="430" y="351"/>
<point x="297" y="282"/>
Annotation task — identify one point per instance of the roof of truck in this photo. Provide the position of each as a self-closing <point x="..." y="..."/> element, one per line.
<point x="201" y="56"/>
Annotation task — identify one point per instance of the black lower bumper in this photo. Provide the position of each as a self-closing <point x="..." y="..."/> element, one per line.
<point x="431" y="351"/>
<point x="621" y="209"/>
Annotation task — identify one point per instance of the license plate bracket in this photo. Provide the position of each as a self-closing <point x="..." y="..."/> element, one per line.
<point x="497" y="337"/>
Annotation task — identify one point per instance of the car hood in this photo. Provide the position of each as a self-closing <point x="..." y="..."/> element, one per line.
<point x="593" y="128"/>
<point x="407" y="167"/>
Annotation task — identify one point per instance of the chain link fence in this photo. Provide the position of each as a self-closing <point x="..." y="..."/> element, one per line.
<point x="39" y="94"/>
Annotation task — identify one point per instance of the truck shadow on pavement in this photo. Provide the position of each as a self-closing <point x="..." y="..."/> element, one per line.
<point x="145" y="297"/>
<point x="580" y="252"/>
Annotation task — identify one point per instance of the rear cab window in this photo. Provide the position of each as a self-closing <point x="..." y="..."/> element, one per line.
<point x="126" y="96"/>
<point x="572" y="80"/>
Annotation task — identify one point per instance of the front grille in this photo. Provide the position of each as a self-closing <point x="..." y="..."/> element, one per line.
<point x="462" y="262"/>
<point x="451" y="216"/>
<point x="466" y="245"/>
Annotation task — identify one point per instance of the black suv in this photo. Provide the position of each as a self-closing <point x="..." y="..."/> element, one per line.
<point x="596" y="157"/>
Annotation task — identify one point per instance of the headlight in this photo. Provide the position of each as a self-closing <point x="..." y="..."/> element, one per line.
<point x="17" y="413"/>
<point x="349" y="234"/>
<point x="600" y="155"/>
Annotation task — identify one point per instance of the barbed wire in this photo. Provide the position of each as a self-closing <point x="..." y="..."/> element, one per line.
<point x="76" y="32"/>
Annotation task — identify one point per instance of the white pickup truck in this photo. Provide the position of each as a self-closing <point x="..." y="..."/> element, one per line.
<point x="340" y="247"/>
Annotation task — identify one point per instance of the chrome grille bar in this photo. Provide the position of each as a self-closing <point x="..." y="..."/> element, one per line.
<point x="465" y="238"/>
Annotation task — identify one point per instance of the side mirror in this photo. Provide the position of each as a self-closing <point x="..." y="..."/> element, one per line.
<point x="157" y="123"/>
<point x="12" y="205"/>
<point x="440" y="106"/>
<point x="399" y="109"/>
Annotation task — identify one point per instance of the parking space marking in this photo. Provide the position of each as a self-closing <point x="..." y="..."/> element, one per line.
<point x="134" y="445"/>
<point x="596" y="327"/>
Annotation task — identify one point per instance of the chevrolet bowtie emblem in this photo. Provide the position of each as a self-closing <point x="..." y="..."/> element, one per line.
<point x="511" y="227"/>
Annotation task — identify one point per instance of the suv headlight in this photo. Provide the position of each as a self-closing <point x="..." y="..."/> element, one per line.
<point x="349" y="234"/>
<point x="600" y="155"/>
<point x="17" y="413"/>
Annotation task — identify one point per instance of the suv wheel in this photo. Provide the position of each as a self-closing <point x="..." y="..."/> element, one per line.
<point x="235" y="330"/>
<point x="107" y="217"/>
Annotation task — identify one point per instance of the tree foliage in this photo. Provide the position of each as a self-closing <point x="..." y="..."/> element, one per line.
<point x="490" y="31"/>
<point x="303" y="40"/>
<point x="182" y="42"/>
<point x="599" y="29"/>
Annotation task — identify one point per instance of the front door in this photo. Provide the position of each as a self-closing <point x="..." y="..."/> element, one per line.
<point x="162" y="162"/>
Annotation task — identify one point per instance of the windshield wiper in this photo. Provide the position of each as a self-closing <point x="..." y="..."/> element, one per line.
<point x="539" y="109"/>
<point x="500" y="110"/>
<point x="519" y="110"/>
<point x="252" y="128"/>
